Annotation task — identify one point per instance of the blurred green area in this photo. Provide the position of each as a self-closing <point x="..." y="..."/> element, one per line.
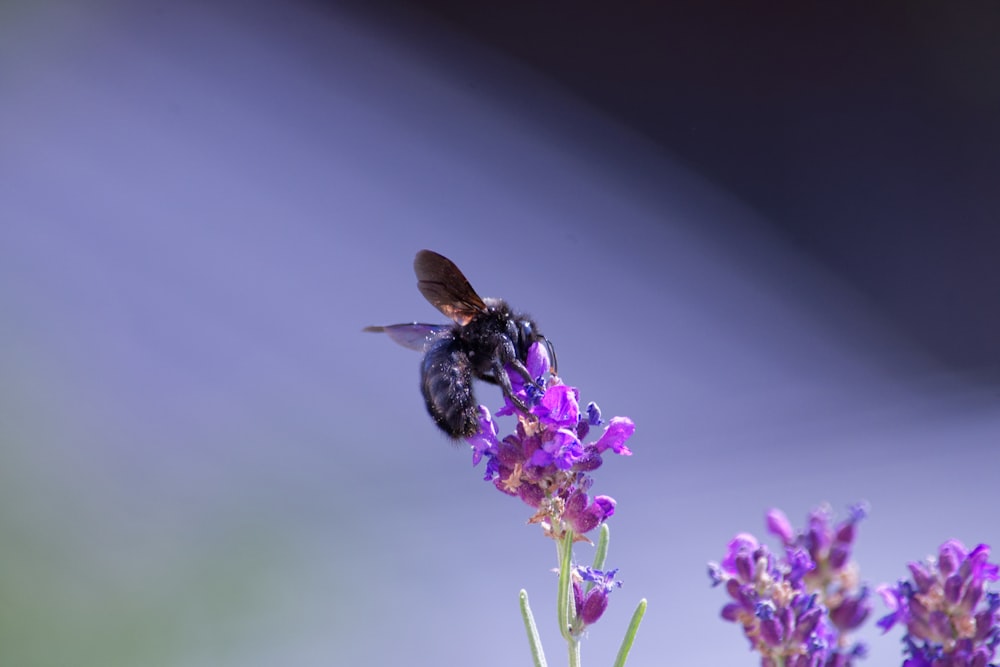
<point x="101" y="567"/>
<point x="85" y="590"/>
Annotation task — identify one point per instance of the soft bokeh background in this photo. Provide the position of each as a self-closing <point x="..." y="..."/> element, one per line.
<point x="203" y="461"/>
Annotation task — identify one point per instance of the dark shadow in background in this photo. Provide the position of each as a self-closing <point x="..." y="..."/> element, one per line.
<point x="868" y="134"/>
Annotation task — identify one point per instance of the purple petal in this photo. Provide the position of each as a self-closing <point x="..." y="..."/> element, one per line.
<point x="818" y="535"/>
<point x="800" y="563"/>
<point x="892" y="599"/>
<point x="852" y="612"/>
<point x="594" y="414"/>
<point x="716" y="574"/>
<point x="485" y="441"/>
<point x="973" y="594"/>
<point x="531" y="494"/>
<point x="540" y="458"/>
<point x="563" y="448"/>
<point x="770" y="628"/>
<point x="588" y="461"/>
<point x="807" y="623"/>
<point x="583" y="517"/>
<point x="982" y="569"/>
<point x="744" y="543"/>
<point x="839" y="553"/>
<point x="560" y="406"/>
<point x="845" y="534"/>
<point x="779" y="525"/>
<point x="941" y="624"/>
<point x="537" y="362"/>
<point x="606" y="505"/>
<point x="618" y="431"/>
<point x="594" y="605"/>
<point x="731" y="612"/>
<point x="953" y="588"/>
<point x="921" y="576"/>
<point x="950" y="556"/>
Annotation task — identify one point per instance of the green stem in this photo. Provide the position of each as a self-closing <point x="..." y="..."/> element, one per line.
<point x="574" y="653"/>
<point x="564" y="597"/>
<point x="537" y="654"/>
<point x="601" y="554"/>
<point x="633" y="627"/>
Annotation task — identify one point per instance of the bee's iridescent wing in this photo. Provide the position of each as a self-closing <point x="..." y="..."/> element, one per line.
<point x="414" y="335"/>
<point x="446" y="287"/>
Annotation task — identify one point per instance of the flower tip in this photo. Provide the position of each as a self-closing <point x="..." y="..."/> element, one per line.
<point x="538" y="361"/>
<point x="484" y="440"/>
<point x="594" y="605"/>
<point x="619" y="430"/>
<point x="779" y="525"/>
<point x="594" y="414"/>
<point x="595" y="601"/>
<point x="859" y="510"/>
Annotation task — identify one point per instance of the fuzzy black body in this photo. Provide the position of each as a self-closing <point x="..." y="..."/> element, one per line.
<point x="482" y="348"/>
<point x="446" y="384"/>
<point x="485" y="338"/>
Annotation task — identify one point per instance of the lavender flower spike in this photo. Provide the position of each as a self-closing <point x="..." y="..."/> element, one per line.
<point x="796" y="610"/>
<point x="545" y="461"/>
<point x="950" y="616"/>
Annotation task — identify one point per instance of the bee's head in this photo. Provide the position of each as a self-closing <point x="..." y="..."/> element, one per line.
<point x="527" y="334"/>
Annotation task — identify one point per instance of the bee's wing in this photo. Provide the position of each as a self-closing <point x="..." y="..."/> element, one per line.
<point x="414" y="335"/>
<point x="448" y="290"/>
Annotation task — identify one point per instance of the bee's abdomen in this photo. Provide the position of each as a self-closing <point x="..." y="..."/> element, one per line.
<point x="446" y="383"/>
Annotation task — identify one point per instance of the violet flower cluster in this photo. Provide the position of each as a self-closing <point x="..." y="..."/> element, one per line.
<point x="951" y="619"/>
<point x="546" y="464"/>
<point x="797" y="610"/>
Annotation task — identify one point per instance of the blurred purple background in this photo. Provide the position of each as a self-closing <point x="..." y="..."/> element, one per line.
<point x="769" y="238"/>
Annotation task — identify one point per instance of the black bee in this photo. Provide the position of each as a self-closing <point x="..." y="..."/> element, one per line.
<point x="486" y="336"/>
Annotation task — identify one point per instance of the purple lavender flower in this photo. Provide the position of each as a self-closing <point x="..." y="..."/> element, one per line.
<point x="798" y="609"/>
<point x="829" y="551"/>
<point x="591" y="602"/>
<point x="951" y="619"/>
<point x="545" y="461"/>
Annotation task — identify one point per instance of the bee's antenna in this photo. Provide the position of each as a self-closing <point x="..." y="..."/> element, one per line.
<point x="554" y="365"/>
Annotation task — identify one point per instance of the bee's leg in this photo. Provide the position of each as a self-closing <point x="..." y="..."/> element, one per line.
<point x="490" y="379"/>
<point x="504" y="381"/>
<point x="553" y="362"/>
<point x="522" y="370"/>
<point x="501" y="378"/>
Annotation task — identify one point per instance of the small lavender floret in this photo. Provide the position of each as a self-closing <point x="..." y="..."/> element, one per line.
<point x="594" y="414"/>
<point x="591" y="604"/>
<point x="779" y="525"/>
<point x="950" y="616"/>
